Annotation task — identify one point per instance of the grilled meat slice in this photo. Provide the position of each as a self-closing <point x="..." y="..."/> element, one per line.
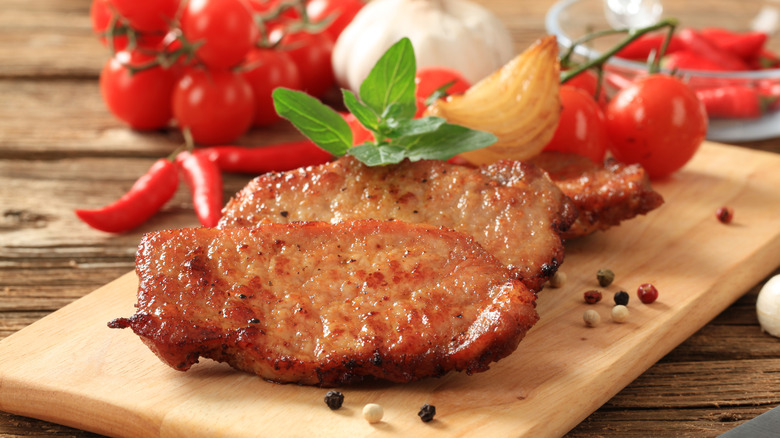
<point x="512" y="209"/>
<point x="323" y="304"/>
<point x="605" y="196"/>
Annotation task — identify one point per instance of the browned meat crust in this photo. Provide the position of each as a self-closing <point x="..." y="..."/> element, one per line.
<point x="326" y="304"/>
<point x="512" y="209"/>
<point x="604" y="196"/>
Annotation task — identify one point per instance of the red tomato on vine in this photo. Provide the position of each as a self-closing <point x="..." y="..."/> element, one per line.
<point x="101" y="16"/>
<point x="141" y="99"/>
<point x="430" y="79"/>
<point x="360" y="134"/>
<point x="589" y="82"/>
<point x="224" y="30"/>
<point x="339" y="12"/>
<point x="216" y="106"/>
<point x="153" y="16"/>
<point x="311" y="53"/>
<point x="658" y="122"/>
<point x="581" y="127"/>
<point x="265" y="70"/>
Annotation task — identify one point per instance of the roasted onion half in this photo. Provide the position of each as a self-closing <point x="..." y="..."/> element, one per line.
<point x="519" y="103"/>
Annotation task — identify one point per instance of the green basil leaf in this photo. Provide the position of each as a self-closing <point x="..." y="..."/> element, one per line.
<point x="392" y="81"/>
<point x="413" y="127"/>
<point x="319" y="122"/>
<point x="445" y="142"/>
<point x="373" y="155"/>
<point x="365" y="115"/>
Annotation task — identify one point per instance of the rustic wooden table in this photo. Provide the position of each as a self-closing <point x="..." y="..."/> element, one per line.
<point x="60" y="149"/>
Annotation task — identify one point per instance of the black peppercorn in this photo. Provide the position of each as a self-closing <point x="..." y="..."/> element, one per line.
<point x="427" y="412"/>
<point x="334" y="399"/>
<point x="621" y="298"/>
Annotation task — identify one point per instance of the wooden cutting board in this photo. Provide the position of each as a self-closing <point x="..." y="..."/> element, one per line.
<point x="70" y="368"/>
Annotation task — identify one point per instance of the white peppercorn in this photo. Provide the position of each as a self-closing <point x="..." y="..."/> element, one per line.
<point x="591" y="318"/>
<point x="373" y="413"/>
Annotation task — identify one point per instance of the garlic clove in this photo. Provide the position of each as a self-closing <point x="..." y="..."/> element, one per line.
<point x="768" y="306"/>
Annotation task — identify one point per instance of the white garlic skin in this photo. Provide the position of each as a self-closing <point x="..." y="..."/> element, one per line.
<point x="768" y="306"/>
<point x="458" y="34"/>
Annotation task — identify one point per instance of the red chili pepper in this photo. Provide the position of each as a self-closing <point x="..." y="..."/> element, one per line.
<point x="145" y="198"/>
<point x="205" y="182"/>
<point x="694" y="41"/>
<point x="765" y="59"/>
<point x="732" y="101"/>
<point x="641" y="48"/>
<point x="262" y="159"/>
<point x="745" y="45"/>
<point x="770" y="93"/>
<point x="690" y="60"/>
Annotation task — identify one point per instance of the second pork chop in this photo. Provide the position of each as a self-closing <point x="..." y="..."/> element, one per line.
<point x="512" y="209"/>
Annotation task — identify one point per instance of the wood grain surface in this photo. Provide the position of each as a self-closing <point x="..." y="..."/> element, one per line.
<point x="60" y="150"/>
<point x="71" y="368"/>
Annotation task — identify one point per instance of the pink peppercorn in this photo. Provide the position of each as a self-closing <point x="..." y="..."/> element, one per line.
<point x="725" y="214"/>
<point x="592" y="296"/>
<point x="647" y="293"/>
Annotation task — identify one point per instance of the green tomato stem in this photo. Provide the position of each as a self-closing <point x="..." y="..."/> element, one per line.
<point x="632" y="34"/>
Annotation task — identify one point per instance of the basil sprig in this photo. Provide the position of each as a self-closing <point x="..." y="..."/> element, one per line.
<point x="386" y="106"/>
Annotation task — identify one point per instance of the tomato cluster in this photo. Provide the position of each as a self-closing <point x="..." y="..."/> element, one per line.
<point x="209" y="66"/>
<point x="656" y="121"/>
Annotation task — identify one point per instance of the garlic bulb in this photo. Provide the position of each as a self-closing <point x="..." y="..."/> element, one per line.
<point x="458" y="34"/>
<point x="768" y="306"/>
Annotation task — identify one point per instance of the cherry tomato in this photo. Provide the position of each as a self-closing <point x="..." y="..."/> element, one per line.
<point x="154" y="16"/>
<point x="657" y="122"/>
<point x="430" y="79"/>
<point x="101" y="15"/>
<point x="224" y="28"/>
<point x="360" y="134"/>
<point x="581" y="127"/>
<point x="589" y="82"/>
<point x="217" y="106"/>
<point x="267" y="69"/>
<point x="271" y="7"/>
<point x="141" y="99"/>
<point x="170" y="46"/>
<point x="311" y="53"/>
<point x="340" y="12"/>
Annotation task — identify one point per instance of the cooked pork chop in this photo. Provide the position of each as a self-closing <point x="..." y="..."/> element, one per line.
<point x="323" y="304"/>
<point x="512" y="209"/>
<point x="605" y="196"/>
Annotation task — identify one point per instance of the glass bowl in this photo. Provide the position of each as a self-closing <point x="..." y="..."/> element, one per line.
<point x="569" y="20"/>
